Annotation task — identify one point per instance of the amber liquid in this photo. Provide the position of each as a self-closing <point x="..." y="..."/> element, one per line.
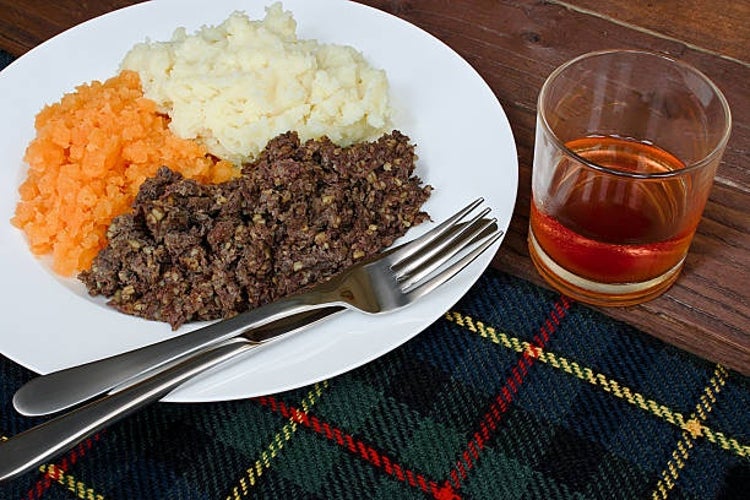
<point x="614" y="229"/>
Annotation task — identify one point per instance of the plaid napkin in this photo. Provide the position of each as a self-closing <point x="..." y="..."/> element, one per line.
<point x="5" y="59"/>
<point x="516" y="392"/>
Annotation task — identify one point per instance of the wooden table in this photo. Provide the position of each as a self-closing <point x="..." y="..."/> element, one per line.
<point x="515" y="44"/>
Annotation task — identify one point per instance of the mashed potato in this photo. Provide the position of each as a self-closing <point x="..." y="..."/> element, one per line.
<point x="234" y="86"/>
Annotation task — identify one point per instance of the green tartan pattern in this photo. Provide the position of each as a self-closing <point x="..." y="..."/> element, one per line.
<point x="516" y="392"/>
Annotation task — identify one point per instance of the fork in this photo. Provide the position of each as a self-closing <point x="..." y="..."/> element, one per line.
<point x="387" y="282"/>
<point x="396" y="279"/>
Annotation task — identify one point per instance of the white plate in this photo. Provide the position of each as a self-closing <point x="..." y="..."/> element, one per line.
<point x="465" y="147"/>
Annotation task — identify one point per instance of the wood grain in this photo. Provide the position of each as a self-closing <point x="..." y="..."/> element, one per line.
<point x="718" y="27"/>
<point x="25" y="24"/>
<point x="514" y="45"/>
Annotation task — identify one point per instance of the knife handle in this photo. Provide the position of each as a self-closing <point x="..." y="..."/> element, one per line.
<point x="39" y="444"/>
<point x="66" y="388"/>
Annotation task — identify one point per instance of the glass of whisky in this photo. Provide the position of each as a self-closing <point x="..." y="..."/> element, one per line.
<point x="626" y="150"/>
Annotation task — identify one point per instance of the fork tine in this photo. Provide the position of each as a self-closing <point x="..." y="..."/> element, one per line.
<point x="409" y="265"/>
<point x="408" y="249"/>
<point x="448" y="273"/>
<point x="447" y="250"/>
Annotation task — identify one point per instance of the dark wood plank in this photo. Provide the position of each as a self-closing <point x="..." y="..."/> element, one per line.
<point x="25" y="24"/>
<point x="514" y="45"/>
<point x="719" y="27"/>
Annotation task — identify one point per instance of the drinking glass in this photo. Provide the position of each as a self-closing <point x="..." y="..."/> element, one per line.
<point x="627" y="146"/>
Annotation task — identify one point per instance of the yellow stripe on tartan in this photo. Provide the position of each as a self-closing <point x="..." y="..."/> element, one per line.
<point x="692" y="429"/>
<point x="253" y="473"/>
<point x="608" y="385"/>
<point x="76" y="487"/>
<point x="486" y="332"/>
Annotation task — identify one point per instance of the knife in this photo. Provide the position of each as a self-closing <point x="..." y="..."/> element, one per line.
<point x="69" y="387"/>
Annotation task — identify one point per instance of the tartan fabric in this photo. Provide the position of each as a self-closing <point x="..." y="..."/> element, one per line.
<point x="5" y="59"/>
<point x="516" y="392"/>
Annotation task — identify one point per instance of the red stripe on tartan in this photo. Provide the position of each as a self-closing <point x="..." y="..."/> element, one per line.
<point x="462" y="472"/>
<point x="355" y="446"/>
<point x="410" y="477"/>
<point x="474" y="448"/>
<point x="302" y="418"/>
<point x="375" y="458"/>
<point x="339" y="437"/>
<point x="53" y="473"/>
<point x="454" y="477"/>
<point x="387" y="465"/>
<point x="362" y="450"/>
<point x="478" y="437"/>
<point x="523" y="368"/>
<point x="316" y="425"/>
<point x="398" y="471"/>
<point x="507" y="393"/>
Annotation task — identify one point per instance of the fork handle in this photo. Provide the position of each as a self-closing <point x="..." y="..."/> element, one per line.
<point x="71" y="386"/>
<point x="35" y="446"/>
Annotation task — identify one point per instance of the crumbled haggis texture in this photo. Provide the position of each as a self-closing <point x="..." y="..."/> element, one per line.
<point x="299" y="214"/>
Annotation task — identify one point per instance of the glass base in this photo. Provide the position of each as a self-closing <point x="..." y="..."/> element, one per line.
<point x="595" y="293"/>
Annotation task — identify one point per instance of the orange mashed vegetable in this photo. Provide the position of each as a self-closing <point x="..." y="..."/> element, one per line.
<point x="92" y="151"/>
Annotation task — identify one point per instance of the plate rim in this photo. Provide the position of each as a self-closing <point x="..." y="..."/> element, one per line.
<point x="183" y="394"/>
